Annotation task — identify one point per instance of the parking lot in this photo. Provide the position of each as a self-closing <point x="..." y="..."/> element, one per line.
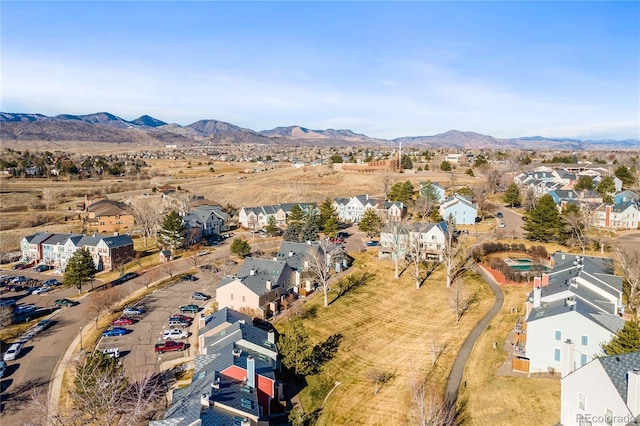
<point x="137" y="346"/>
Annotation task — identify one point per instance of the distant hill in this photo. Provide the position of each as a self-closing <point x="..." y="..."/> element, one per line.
<point x="106" y="127"/>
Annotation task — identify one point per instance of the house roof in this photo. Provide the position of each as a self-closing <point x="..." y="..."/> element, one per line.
<point x="455" y="199"/>
<point x="294" y="254"/>
<point x="108" y="208"/>
<point x="38" y="237"/>
<point x="58" y="239"/>
<point x="610" y="322"/>
<point x="617" y="367"/>
<point x="254" y="274"/>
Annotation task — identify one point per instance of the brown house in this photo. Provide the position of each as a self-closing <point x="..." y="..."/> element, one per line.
<point x="106" y="216"/>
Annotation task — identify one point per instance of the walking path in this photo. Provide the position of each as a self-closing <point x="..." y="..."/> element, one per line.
<point x="455" y="376"/>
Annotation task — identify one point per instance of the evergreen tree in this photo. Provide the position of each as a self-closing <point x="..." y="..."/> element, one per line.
<point x="240" y="248"/>
<point x="406" y="162"/>
<point x="370" y="222"/>
<point x="172" y="232"/>
<point x="543" y="221"/>
<point x="79" y="269"/>
<point x="627" y="340"/>
<point x="606" y="188"/>
<point x="445" y="166"/>
<point x="296" y="215"/>
<point x="327" y="212"/>
<point x="295" y="348"/>
<point x="271" y="228"/>
<point x="584" y="182"/>
<point x="401" y="191"/>
<point x="331" y="227"/>
<point x="512" y="195"/>
<point x="626" y="175"/>
<point x="309" y="230"/>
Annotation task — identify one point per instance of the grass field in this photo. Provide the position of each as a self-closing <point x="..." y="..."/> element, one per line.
<point x="390" y="326"/>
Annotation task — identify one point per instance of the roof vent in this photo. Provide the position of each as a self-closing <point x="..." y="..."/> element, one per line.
<point x="236" y="353"/>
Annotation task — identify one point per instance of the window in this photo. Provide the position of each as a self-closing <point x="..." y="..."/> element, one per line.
<point x="243" y="298"/>
<point x="583" y="359"/>
<point x="584" y="340"/>
<point x="231" y="296"/>
<point x="558" y="335"/>
<point x="582" y="401"/>
<point x="556" y="354"/>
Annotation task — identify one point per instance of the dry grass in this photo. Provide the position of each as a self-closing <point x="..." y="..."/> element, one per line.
<point x="389" y="326"/>
<point x="503" y="400"/>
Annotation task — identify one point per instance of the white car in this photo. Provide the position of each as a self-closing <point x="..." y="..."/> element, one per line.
<point x="41" y="290"/>
<point x="13" y="352"/>
<point x="133" y="311"/>
<point x="502" y="225"/>
<point x="174" y="334"/>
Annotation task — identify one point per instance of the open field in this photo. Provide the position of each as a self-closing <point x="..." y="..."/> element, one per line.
<point x="506" y="400"/>
<point x="390" y="326"/>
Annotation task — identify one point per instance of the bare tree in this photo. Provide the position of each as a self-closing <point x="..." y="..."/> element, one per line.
<point x="461" y="300"/>
<point x="147" y="213"/>
<point x="428" y="407"/>
<point x="457" y="256"/>
<point x="168" y="267"/>
<point x="296" y="190"/>
<point x="494" y="180"/>
<point x="396" y="237"/>
<point x="529" y="200"/>
<point x="49" y="197"/>
<point x="319" y="266"/>
<point x="415" y="250"/>
<point x="629" y="259"/>
<point x="104" y="300"/>
<point x="575" y="225"/>
<point x="6" y="316"/>
<point x="379" y="378"/>
<point x="387" y="182"/>
<point x="437" y="349"/>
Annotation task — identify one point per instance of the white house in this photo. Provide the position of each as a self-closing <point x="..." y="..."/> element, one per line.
<point x="460" y="209"/>
<point x="579" y="301"/>
<point x="352" y="209"/>
<point x="428" y="238"/>
<point x="204" y="221"/>
<point x="604" y="391"/>
<point x="617" y="216"/>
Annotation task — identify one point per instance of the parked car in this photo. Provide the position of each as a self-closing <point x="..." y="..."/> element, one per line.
<point x="203" y="252"/>
<point x="174" y="334"/>
<point x="42" y="268"/>
<point x="178" y="323"/>
<point x="41" y="290"/>
<point x="114" y="331"/>
<point x="189" y="308"/>
<point x="502" y="225"/>
<point x="19" y="266"/>
<point x="133" y="311"/>
<point x="189" y="278"/>
<point x="51" y="283"/>
<point x="123" y="279"/>
<point x="112" y="352"/>
<point x="30" y="290"/>
<point x="19" y="279"/>
<point x="43" y="325"/>
<point x="3" y="368"/>
<point x="123" y="321"/>
<point x="200" y="296"/>
<point x="500" y="215"/>
<point x="372" y="243"/>
<point x="180" y="317"/>
<point x="25" y="309"/>
<point x="65" y="302"/>
<point x="7" y="302"/>
<point x="169" y="345"/>
<point x="13" y="352"/>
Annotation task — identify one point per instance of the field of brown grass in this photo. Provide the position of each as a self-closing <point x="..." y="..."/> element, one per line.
<point x="390" y="326"/>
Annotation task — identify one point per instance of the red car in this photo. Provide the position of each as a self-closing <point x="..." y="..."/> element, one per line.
<point x="181" y="317"/>
<point x="122" y="321"/>
<point x="169" y="345"/>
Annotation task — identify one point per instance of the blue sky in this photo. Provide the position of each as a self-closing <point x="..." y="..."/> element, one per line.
<point x="385" y="69"/>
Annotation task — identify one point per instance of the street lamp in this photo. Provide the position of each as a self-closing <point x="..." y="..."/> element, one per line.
<point x="81" y="338"/>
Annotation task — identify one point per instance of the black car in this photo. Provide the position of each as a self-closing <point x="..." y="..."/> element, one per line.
<point x="126" y="277"/>
<point x="189" y="278"/>
<point x="42" y="268"/>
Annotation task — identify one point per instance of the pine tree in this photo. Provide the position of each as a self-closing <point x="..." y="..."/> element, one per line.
<point x="331" y="227"/>
<point x="627" y="340"/>
<point x="240" y="248"/>
<point x="543" y="221"/>
<point x="584" y="182"/>
<point x="327" y="212"/>
<point x="172" y="232"/>
<point x="295" y="347"/>
<point x="271" y="228"/>
<point x="79" y="269"/>
<point x="370" y="222"/>
<point x="512" y="195"/>
<point x="401" y="191"/>
<point x="626" y="175"/>
<point x="606" y="188"/>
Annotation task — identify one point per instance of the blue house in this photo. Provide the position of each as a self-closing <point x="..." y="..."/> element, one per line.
<point x="460" y="209"/>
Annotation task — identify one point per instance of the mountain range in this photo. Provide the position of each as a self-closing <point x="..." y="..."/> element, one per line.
<point x="147" y="130"/>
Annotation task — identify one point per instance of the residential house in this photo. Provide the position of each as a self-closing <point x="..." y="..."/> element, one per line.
<point x="562" y="197"/>
<point x="53" y="248"/>
<point x="352" y="209"/>
<point x="258" y="217"/>
<point x="258" y="286"/>
<point x="604" y="391"/>
<point x="31" y="246"/>
<point x="580" y="301"/>
<point x="460" y="209"/>
<point x="617" y="216"/>
<point x="624" y="197"/>
<point x="106" y="216"/>
<point x="298" y="255"/>
<point x="461" y="159"/>
<point x="432" y="187"/>
<point x="564" y="178"/>
<point x="428" y="239"/>
<point x="205" y="221"/>
<point x="234" y="378"/>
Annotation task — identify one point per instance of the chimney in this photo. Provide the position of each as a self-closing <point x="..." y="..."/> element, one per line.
<point x="545" y="280"/>
<point x="366" y="196"/>
<point x="252" y="272"/>
<point x="271" y="337"/>
<point x="290" y="254"/>
<point x="115" y="234"/>
<point x="567" y="357"/>
<point x="537" y="297"/>
<point x="251" y="372"/>
<point x="204" y="400"/>
<point x="633" y="391"/>
<point x="537" y="282"/>
<point x="269" y="284"/>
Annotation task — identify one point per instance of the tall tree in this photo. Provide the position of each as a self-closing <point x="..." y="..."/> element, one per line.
<point x="370" y="222"/>
<point x="626" y="175"/>
<point x="319" y="266"/>
<point x="606" y="188"/>
<point x="295" y="347"/>
<point x="79" y="270"/>
<point x="512" y="195"/>
<point x="457" y="256"/>
<point x="240" y="248"/>
<point x="543" y="222"/>
<point x="401" y="191"/>
<point x="445" y="166"/>
<point x="575" y="225"/>
<point x="327" y="213"/>
<point x="584" y="182"/>
<point x="494" y="180"/>
<point x="331" y="227"/>
<point x="172" y="233"/>
<point x="627" y="340"/>
<point x="271" y="228"/>
<point x="147" y="213"/>
<point x="629" y="261"/>
<point x="406" y="162"/>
